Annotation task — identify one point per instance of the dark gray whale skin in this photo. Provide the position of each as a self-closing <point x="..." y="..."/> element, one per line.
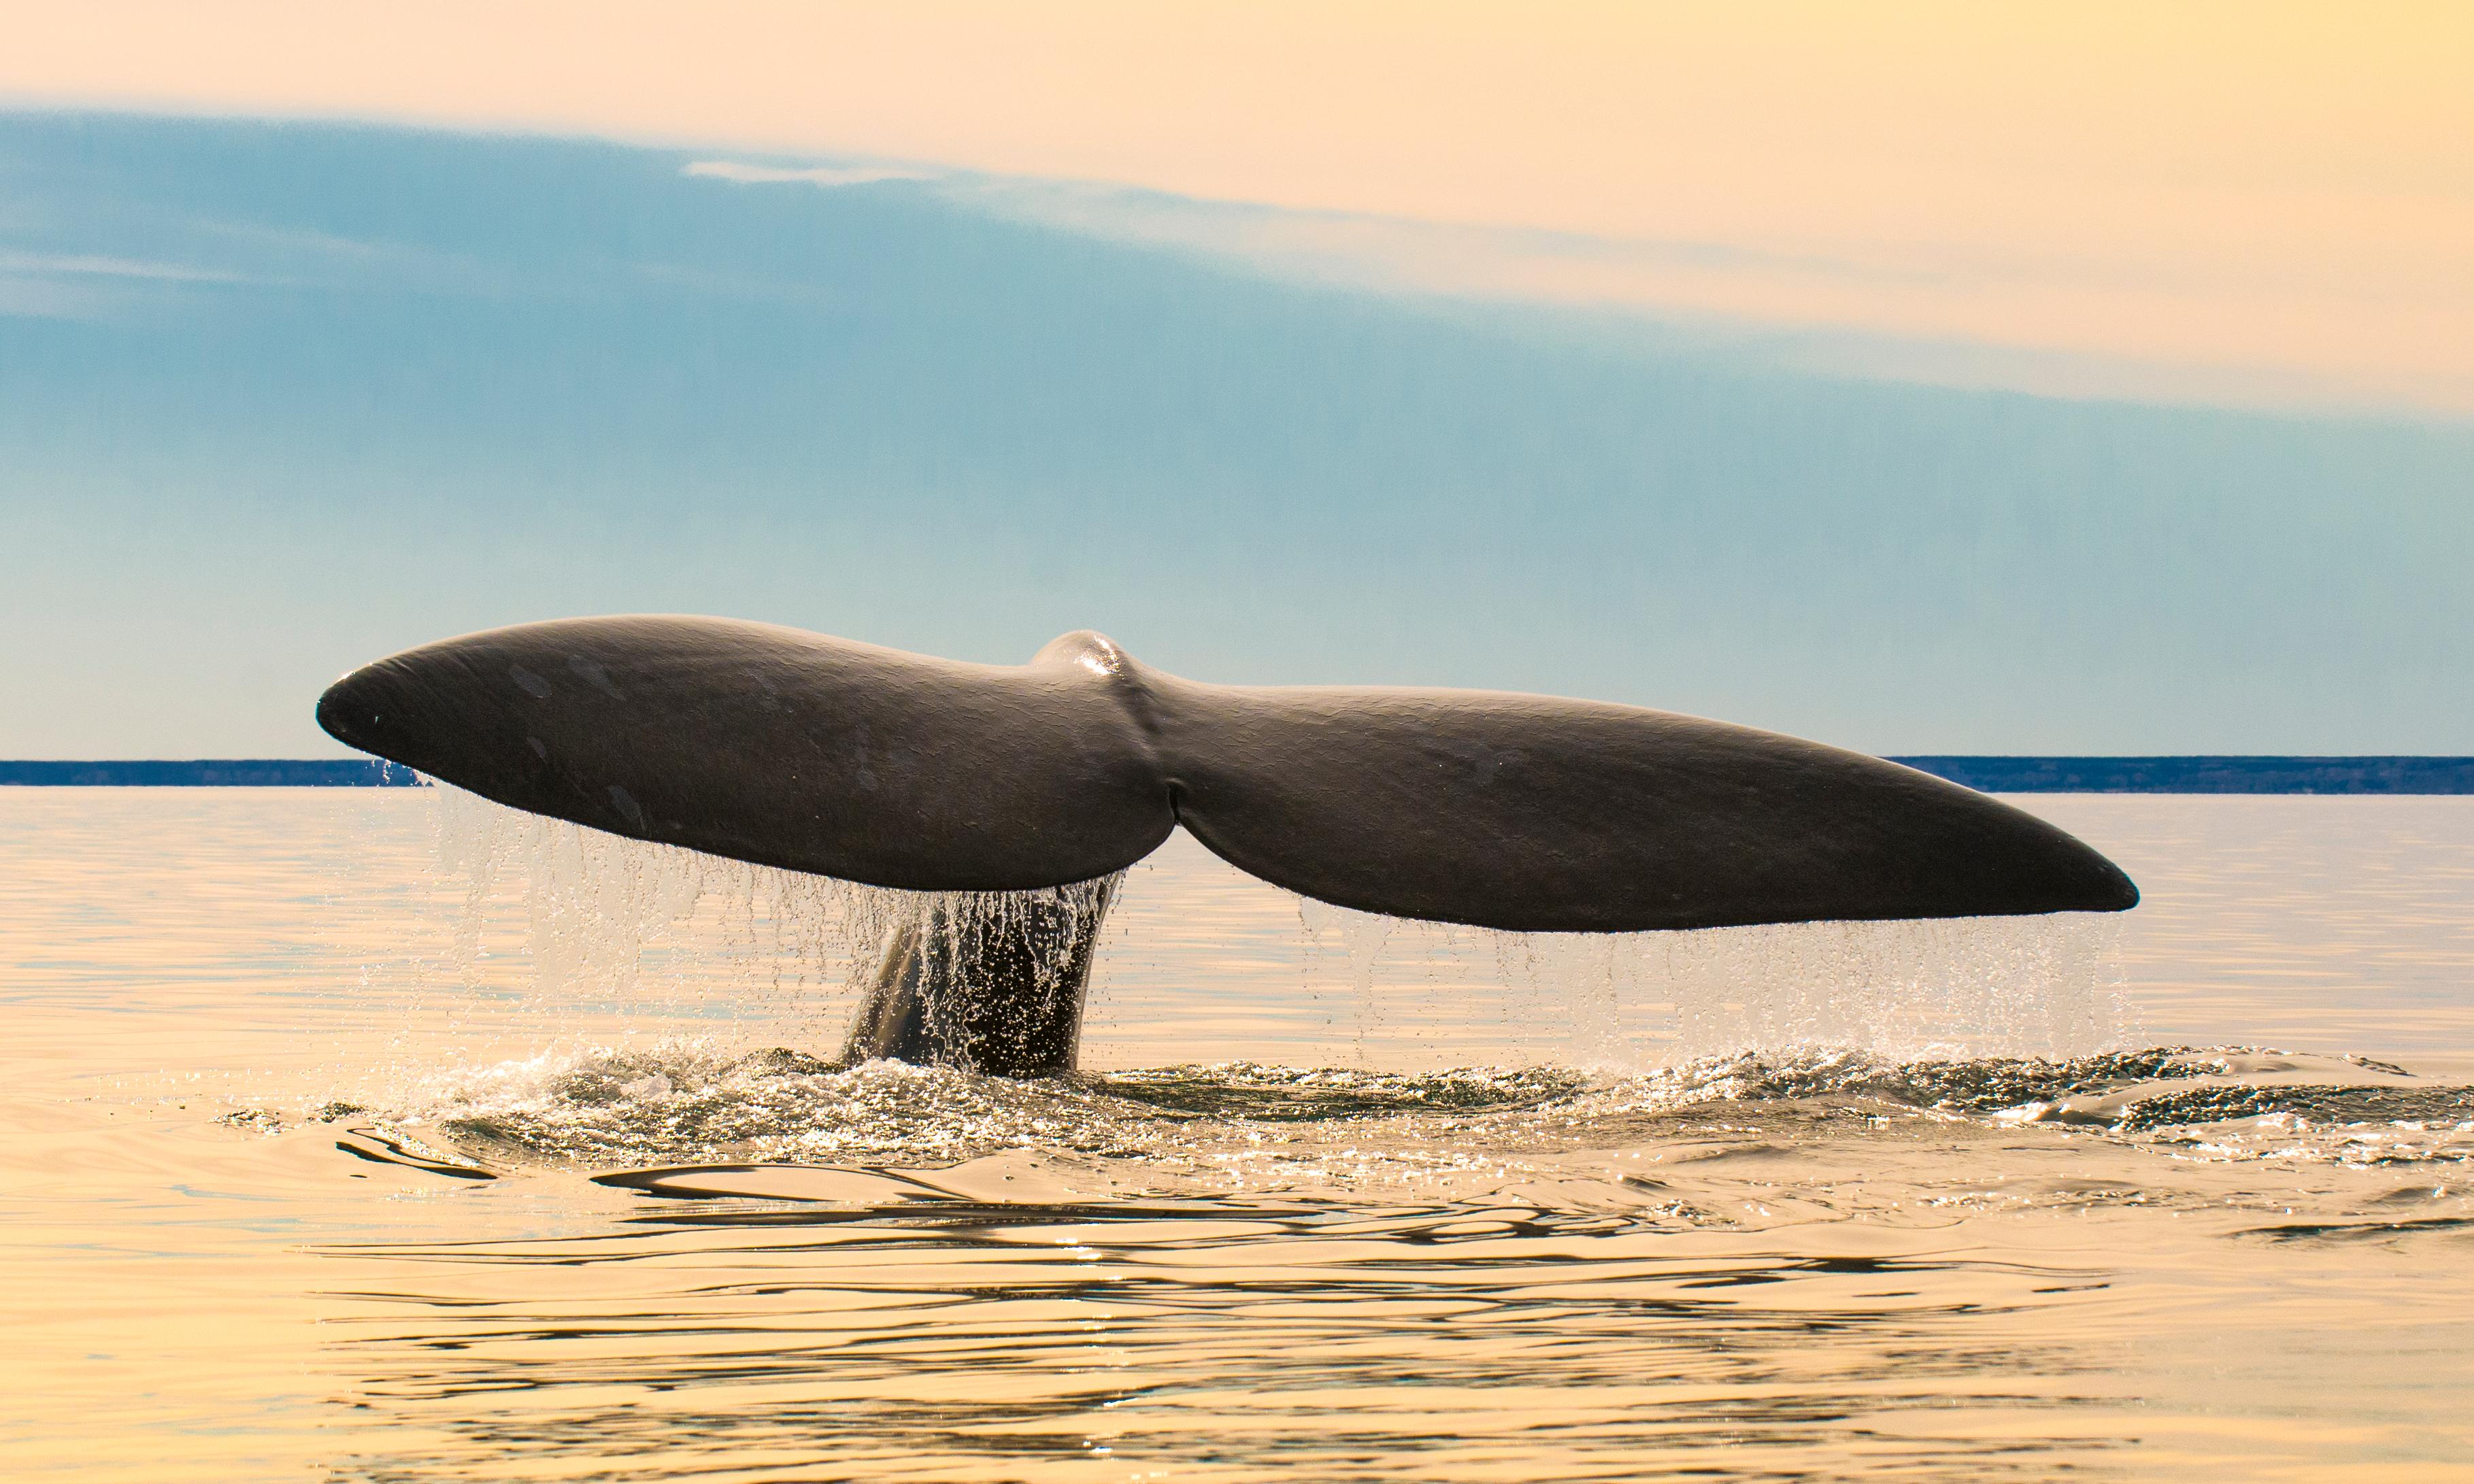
<point x="1515" y="812"/>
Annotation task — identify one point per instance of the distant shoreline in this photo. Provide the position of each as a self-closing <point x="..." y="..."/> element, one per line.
<point x="214" y="774"/>
<point x="2197" y="775"/>
<point x="2234" y="773"/>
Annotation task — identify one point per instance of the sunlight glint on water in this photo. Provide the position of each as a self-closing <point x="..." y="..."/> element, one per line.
<point x="311" y="1173"/>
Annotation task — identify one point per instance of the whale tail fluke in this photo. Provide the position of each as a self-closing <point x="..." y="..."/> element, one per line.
<point x="1514" y="812"/>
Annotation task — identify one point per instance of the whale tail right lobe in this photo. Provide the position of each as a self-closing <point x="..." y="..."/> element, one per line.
<point x="1527" y="813"/>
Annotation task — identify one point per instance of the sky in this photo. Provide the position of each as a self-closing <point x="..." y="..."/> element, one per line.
<point x="1923" y="378"/>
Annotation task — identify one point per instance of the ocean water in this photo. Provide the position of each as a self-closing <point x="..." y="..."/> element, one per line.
<point x="381" y="1136"/>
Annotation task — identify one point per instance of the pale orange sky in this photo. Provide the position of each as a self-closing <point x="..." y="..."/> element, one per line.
<point x="2278" y="192"/>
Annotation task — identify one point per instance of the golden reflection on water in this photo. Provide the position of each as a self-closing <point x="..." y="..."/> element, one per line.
<point x="248" y="1236"/>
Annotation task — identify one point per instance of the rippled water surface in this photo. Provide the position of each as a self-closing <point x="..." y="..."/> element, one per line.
<point x="347" y="1141"/>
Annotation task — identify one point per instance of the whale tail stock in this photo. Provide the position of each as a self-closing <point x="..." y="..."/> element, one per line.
<point x="1521" y="813"/>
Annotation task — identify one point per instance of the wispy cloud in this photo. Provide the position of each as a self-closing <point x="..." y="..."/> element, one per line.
<point x="2042" y="320"/>
<point x="745" y="173"/>
<point x="88" y="265"/>
<point x="88" y="285"/>
<point x="2037" y="316"/>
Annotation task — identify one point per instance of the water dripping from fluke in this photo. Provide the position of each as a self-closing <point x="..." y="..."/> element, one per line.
<point x="965" y="827"/>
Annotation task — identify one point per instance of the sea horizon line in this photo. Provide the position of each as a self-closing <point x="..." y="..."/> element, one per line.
<point x="2393" y="773"/>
